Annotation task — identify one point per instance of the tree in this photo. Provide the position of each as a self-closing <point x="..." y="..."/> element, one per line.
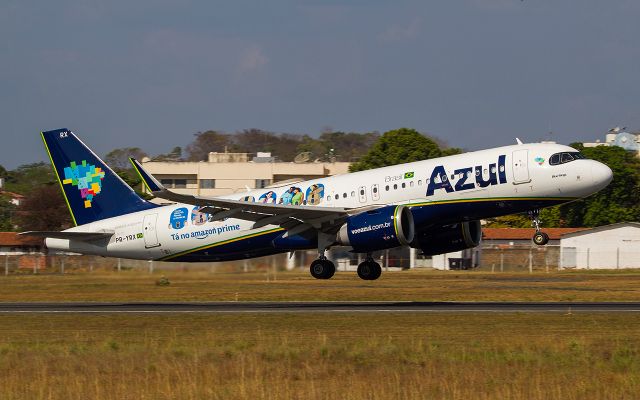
<point x="400" y="146"/>
<point x="119" y="158"/>
<point x="43" y="209"/>
<point x="29" y="176"/>
<point x="347" y="146"/>
<point x="7" y="210"/>
<point x="206" y="142"/>
<point x="173" y="155"/>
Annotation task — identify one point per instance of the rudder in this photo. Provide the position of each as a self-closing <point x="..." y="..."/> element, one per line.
<point x="91" y="189"/>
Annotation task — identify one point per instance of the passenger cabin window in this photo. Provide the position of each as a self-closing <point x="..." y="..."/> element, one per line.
<point x="386" y="188"/>
<point x="563" y="158"/>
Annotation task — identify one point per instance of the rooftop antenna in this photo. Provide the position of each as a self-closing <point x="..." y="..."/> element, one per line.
<point x="518" y="141"/>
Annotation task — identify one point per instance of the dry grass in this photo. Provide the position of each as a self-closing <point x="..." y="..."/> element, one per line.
<point x="320" y="356"/>
<point x="299" y="286"/>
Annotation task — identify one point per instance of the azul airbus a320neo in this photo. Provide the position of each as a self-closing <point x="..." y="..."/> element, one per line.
<point x="433" y="205"/>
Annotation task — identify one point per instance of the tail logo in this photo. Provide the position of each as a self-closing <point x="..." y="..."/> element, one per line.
<point x="86" y="177"/>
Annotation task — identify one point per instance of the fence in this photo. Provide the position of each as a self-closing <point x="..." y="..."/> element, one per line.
<point x="490" y="258"/>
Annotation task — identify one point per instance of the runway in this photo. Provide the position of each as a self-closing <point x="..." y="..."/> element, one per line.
<point x="317" y="307"/>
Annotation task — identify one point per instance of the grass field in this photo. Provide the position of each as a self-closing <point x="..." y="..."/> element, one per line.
<point x="326" y="355"/>
<point x="320" y="356"/>
<point x="300" y="286"/>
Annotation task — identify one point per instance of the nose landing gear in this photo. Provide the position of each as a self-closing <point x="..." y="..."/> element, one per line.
<point x="540" y="238"/>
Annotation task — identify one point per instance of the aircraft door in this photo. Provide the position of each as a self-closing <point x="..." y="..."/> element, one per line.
<point x="520" y="166"/>
<point x="150" y="232"/>
<point x="362" y="194"/>
<point x="375" y="192"/>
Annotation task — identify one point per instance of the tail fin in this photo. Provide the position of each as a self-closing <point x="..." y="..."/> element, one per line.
<point x="91" y="189"/>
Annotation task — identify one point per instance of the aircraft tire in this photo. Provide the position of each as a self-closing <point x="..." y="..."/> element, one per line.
<point x="540" y="238"/>
<point x="322" y="269"/>
<point x="369" y="270"/>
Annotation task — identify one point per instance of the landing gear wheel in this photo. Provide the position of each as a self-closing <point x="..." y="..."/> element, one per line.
<point x="540" y="238"/>
<point x="322" y="269"/>
<point x="369" y="270"/>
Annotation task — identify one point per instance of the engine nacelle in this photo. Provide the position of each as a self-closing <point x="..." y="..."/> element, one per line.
<point x="448" y="238"/>
<point x="378" y="229"/>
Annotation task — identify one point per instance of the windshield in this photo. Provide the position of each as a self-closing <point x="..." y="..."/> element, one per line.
<point x="565" y="157"/>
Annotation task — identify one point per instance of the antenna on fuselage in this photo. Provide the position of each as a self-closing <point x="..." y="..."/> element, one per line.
<point x="518" y="141"/>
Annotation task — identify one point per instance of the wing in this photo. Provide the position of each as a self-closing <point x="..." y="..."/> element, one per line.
<point x="82" y="236"/>
<point x="296" y="219"/>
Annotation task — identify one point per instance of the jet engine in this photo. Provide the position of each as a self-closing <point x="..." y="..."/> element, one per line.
<point x="448" y="238"/>
<point x="378" y="229"/>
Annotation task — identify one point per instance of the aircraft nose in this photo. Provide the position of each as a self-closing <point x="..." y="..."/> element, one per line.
<point x="601" y="175"/>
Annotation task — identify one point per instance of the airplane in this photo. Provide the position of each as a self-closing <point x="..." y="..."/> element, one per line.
<point x="433" y="205"/>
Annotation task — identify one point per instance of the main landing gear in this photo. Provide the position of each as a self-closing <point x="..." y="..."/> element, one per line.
<point x="322" y="268"/>
<point x="540" y="238"/>
<point x="369" y="270"/>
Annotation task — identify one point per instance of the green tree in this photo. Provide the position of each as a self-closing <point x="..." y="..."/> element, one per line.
<point x="400" y="146"/>
<point x="7" y="210"/>
<point x="28" y="177"/>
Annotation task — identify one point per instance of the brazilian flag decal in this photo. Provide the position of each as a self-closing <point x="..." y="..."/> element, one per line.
<point x="408" y="175"/>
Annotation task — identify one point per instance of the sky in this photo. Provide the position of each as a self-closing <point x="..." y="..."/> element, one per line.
<point x="474" y="73"/>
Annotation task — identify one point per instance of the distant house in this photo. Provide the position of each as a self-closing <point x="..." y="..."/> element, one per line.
<point x="27" y="248"/>
<point x="506" y="237"/>
<point x="13" y="244"/>
<point x="605" y="247"/>
<point x="513" y="249"/>
<point x="14" y="198"/>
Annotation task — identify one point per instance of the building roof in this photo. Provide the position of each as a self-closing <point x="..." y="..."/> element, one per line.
<point x="11" y="194"/>
<point x="524" y="233"/>
<point x="586" y="231"/>
<point x="13" y="239"/>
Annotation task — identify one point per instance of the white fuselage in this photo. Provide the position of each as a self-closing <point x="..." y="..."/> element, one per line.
<point x="522" y="173"/>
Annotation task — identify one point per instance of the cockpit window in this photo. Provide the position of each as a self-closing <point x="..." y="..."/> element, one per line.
<point x="566" y="157"/>
<point x="563" y="158"/>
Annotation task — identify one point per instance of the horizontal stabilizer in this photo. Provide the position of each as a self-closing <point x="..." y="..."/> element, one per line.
<point x="82" y="236"/>
<point x="149" y="180"/>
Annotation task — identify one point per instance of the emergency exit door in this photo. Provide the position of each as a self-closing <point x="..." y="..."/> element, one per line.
<point x="520" y="166"/>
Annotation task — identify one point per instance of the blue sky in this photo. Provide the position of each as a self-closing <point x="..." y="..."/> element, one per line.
<point x="476" y="73"/>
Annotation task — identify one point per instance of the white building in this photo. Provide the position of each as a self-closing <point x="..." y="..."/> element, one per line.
<point x="621" y="138"/>
<point x="605" y="247"/>
<point x="226" y="173"/>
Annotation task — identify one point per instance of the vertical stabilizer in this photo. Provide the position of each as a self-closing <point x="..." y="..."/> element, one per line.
<point x="91" y="189"/>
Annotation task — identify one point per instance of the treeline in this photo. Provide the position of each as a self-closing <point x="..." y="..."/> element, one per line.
<point x="330" y="146"/>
